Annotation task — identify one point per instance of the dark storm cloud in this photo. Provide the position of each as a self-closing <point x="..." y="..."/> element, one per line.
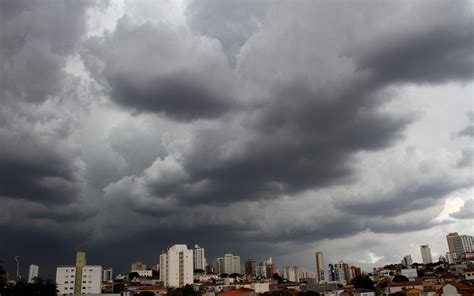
<point x="175" y="96"/>
<point x="414" y="197"/>
<point x="298" y="138"/>
<point x="436" y="51"/>
<point x="466" y="211"/>
<point x="157" y="68"/>
<point x="36" y="163"/>
<point x="36" y="37"/>
<point x="35" y="171"/>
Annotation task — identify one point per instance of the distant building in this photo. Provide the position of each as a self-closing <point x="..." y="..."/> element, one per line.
<point x="199" y="258"/>
<point x="107" y="275"/>
<point x="210" y="269"/>
<point x="136" y="266"/>
<point x="176" y="266"/>
<point x="251" y="267"/>
<point x="231" y="264"/>
<point x="291" y="273"/>
<point x="450" y="239"/>
<point x="220" y="265"/>
<point x="66" y="279"/>
<point x="145" y="273"/>
<point x="407" y="260"/>
<point x="320" y="267"/>
<point x="463" y="244"/>
<point x="426" y="254"/>
<point x="79" y="279"/>
<point x="33" y="272"/>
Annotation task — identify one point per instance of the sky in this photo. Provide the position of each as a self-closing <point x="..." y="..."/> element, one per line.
<point x="258" y="128"/>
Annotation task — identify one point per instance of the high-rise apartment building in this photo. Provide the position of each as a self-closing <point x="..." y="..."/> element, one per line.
<point x="291" y="273"/>
<point x="33" y="272"/>
<point x="451" y="237"/>
<point x="320" y="273"/>
<point x="426" y="254"/>
<point x="176" y="266"/>
<point x="250" y="267"/>
<point x="79" y="279"/>
<point x="463" y="244"/>
<point x="231" y="264"/>
<point x="199" y="259"/>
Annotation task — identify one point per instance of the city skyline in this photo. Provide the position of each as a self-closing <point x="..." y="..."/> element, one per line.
<point x="254" y="128"/>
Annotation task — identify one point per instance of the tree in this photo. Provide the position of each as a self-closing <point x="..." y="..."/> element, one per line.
<point x="308" y="293"/>
<point x="133" y="275"/>
<point x="400" y="278"/>
<point x="234" y="275"/>
<point x="3" y="277"/>
<point x="39" y="287"/>
<point x="363" y="282"/>
<point x="224" y="275"/>
<point x="146" y="293"/>
<point x="278" y="278"/>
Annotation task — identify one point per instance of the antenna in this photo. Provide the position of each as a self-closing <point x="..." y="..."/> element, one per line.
<point x="18" y="267"/>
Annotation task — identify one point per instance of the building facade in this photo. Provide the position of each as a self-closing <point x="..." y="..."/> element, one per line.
<point x="91" y="282"/>
<point x="320" y="274"/>
<point x="33" y="272"/>
<point x="463" y="244"/>
<point x="66" y="279"/>
<point x="176" y="266"/>
<point x="136" y="266"/>
<point x="231" y="264"/>
<point x="291" y="273"/>
<point x="199" y="259"/>
<point x="108" y="275"/>
<point x="79" y="279"/>
<point x="250" y="267"/>
<point x="426" y="254"/>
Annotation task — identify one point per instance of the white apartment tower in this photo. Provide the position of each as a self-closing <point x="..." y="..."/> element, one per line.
<point x="291" y="273"/>
<point x="231" y="264"/>
<point x="91" y="280"/>
<point x="176" y="266"/>
<point x="463" y="244"/>
<point x="199" y="259"/>
<point x="79" y="279"/>
<point x="426" y="254"/>
<point x="33" y="272"/>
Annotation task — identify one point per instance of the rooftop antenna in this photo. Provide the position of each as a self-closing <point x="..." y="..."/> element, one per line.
<point x="18" y="267"/>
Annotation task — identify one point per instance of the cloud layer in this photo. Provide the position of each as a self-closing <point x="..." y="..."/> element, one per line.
<point x="284" y="125"/>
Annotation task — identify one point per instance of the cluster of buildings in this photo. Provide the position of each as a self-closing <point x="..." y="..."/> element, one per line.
<point x="179" y="266"/>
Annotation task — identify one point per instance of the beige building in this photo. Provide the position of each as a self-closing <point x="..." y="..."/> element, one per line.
<point x="176" y="266"/>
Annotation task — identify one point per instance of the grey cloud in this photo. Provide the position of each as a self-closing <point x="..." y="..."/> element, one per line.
<point x="467" y="159"/>
<point x="37" y="162"/>
<point x="466" y="211"/>
<point x="186" y="77"/>
<point x="231" y="22"/>
<point x="468" y="131"/>
<point x="437" y="50"/>
<point x="36" y="38"/>
<point x="393" y="202"/>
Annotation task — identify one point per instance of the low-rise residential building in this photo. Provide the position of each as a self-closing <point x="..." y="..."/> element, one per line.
<point x="394" y="287"/>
